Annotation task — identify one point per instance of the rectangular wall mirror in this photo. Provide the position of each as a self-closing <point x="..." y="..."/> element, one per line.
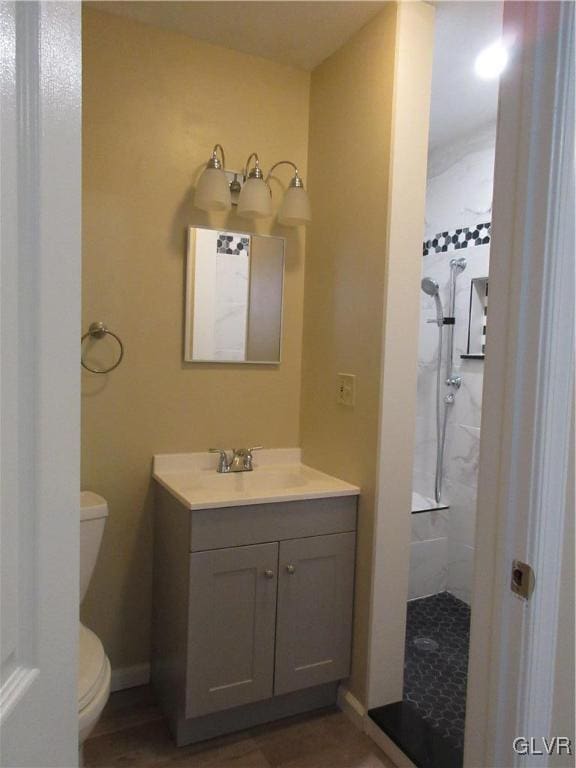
<point x="233" y="297"/>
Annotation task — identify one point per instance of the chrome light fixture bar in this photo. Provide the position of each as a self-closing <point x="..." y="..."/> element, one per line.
<point x="250" y="190"/>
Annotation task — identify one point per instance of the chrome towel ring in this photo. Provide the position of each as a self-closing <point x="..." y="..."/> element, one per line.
<point x="98" y="331"/>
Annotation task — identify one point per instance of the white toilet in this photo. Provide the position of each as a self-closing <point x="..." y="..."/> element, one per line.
<point x="94" y="667"/>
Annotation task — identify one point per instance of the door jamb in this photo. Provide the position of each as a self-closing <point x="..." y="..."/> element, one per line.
<point x="529" y="386"/>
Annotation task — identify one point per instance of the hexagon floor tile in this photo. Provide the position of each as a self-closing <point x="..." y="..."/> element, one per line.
<point x="435" y="673"/>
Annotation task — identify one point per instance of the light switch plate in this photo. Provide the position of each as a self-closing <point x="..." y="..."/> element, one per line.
<point x="346" y="393"/>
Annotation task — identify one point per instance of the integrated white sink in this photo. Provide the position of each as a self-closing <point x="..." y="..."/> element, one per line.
<point x="278" y="475"/>
<point x="261" y="479"/>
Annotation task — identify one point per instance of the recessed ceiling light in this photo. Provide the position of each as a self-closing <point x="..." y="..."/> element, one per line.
<point x="491" y="62"/>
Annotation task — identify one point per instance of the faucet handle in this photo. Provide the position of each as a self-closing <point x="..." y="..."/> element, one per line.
<point x="248" y="456"/>
<point x="222" y="461"/>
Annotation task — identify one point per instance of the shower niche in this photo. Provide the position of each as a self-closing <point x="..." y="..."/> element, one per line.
<point x="477" y="316"/>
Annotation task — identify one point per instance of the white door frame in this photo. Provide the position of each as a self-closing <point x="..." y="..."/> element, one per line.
<point x="527" y="430"/>
<point x="40" y="199"/>
<point x="524" y="494"/>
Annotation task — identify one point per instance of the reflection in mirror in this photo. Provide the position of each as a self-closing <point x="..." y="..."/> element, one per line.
<point x="233" y="297"/>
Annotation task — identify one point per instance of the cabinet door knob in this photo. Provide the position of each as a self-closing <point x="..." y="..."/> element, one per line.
<point x="291" y="569"/>
<point x="269" y="574"/>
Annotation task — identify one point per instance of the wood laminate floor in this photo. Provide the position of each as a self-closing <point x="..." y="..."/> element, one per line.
<point x="133" y="734"/>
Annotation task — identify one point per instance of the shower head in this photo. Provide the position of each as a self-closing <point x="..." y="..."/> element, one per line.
<point x="429" y="286"/>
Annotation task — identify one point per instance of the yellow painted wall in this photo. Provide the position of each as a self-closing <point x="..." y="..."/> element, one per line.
<point x="155" y="102"/>
<point x="348" y="179"/>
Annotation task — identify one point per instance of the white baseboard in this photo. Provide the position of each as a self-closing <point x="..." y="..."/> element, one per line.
<point x="351" y="707"/>
<point x="129" y="677"/>
<point x="356" y="713"/>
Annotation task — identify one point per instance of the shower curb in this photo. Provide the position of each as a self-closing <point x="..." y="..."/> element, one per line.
<point x="358" y="716"/>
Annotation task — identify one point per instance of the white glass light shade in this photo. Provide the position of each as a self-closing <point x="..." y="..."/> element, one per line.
<point x="213" y="191"/>
<point x="295" y="208"/>
<point x="255" y="201"/>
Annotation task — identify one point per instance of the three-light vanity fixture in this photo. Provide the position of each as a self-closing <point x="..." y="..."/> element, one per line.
<point x="249" y="190"/>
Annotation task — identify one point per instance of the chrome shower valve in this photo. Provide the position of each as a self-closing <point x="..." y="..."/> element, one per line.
<point x="454" y="381"/>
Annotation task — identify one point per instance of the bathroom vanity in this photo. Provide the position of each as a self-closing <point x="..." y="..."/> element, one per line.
<point x="253" y="591"/>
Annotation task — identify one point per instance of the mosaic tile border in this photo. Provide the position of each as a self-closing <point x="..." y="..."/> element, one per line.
<point x="231" y="244"/>
<point x="456" y="239"/>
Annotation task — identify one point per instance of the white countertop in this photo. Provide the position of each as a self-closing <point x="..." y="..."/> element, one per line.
<point x="278" y="475"/>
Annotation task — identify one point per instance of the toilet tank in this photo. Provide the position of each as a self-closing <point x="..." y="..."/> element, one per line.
<point x="93" y="514"/>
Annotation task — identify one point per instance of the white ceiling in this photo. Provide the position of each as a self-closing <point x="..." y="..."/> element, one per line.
<point x="461" y="102"/>
<point x="300" y="34"/>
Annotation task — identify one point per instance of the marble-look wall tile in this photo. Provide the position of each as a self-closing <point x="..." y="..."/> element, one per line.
<point x="424" y="449"/>
<point x="460" y="570"/>
<point x="423" y="482"/>
<point x="230" y="333"/>
<point x="425" y="392"/>
<point x="231" y="306"/>
<point x="428" y="568"/>
<point x="462" y="513"/>
<point x="459" y="194"/>
<point x="467" y="408"/>
<point x="430" y="525"/>
<point x="459" y="189"/>
<point x="428" y="339"/>
<point x="462" y="454"/>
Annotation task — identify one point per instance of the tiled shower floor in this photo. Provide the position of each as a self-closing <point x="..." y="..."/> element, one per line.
<point x="435" y="679"/>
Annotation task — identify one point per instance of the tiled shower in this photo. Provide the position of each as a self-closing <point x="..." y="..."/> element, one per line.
<point x="459" y="200"/>
<point x="458" y="225"/>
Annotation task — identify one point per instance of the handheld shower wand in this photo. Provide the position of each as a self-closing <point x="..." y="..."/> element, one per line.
<point x="431" y="288"/>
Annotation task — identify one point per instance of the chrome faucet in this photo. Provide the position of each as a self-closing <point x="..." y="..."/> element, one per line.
<point x="241" y="460"/>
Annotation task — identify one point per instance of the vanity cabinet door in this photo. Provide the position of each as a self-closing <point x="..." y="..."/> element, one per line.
<point x="315" y="599"/>
<point x="231" y="621"/>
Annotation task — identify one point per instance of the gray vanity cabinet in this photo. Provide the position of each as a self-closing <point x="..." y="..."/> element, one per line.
<point x="314" y="624"/>
<point x="252" y="611"/>
<point x="232" y="618"/>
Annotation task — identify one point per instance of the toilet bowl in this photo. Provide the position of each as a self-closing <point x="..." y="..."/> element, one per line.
<point x="93" y="682"/>
<point x="93" y="664"/>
